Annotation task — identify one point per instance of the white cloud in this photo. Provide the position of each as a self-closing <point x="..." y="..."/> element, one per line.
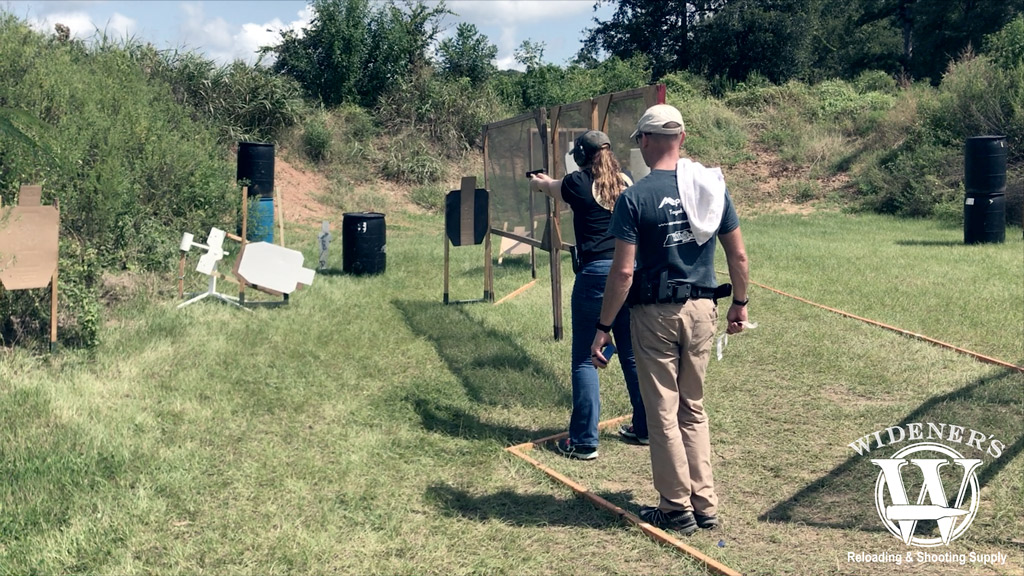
<point x="516" y="20"/>
<point x="506" y="12"/>
<point x="508" y="63"/>
<point x="507" y="43"/>
<point x="224" y="42"/>
<point x="83" y="26"/>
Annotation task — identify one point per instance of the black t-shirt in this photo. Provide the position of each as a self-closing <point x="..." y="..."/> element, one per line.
<point x="648" y="214"/>
<point x="589" y="220"/>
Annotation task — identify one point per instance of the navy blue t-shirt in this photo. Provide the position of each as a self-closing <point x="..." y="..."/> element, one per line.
<point x="649" y="215"/>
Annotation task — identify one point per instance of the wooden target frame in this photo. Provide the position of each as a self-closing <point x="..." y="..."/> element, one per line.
<point x="30" y="248"/>
<point x="466" y="223"/>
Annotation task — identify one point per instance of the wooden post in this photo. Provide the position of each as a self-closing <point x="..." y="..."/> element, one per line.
<point x="181" y="276"/>
<point x="279" y="211"/>
<point x="600" y="118"/>
<point x="245" y="234"/>
<point x="446" y="249"/>
<point x="488" y="270"/>
<point x="554" y="229"/>
<point x="53" y="291"/>
<point x="53" y="312"/>
<point x="556" y="266"/>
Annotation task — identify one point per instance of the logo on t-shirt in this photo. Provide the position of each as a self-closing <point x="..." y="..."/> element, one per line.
<point x="677" y="238"/>
<point x="669" y="200"/>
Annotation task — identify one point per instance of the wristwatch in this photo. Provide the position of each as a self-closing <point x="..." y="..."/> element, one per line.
<point x="603" y="327"/>
<point x="736" y="302"/>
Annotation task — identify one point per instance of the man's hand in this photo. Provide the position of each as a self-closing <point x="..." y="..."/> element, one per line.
<point x="600" y="340"/>
<point x="736" y="316"/>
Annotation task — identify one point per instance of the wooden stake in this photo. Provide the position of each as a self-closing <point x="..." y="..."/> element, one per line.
<point x="279" y="199"/>
<point x="245" y="233"/>
<point x="181" y="276"/>
<point x="53" y="312"/>
<point x="713" y="566"/>
<point x="53" y="292"/>
<point x="445" y="299"/>
<point x="488" y="266"/>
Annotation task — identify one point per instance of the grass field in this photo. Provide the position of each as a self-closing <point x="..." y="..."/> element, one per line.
<point x="360" y="430"/>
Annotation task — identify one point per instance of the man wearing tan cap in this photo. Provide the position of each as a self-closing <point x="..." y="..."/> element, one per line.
<point x="668" y="223"/>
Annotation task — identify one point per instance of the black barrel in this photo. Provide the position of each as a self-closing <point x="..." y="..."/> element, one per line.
<point x="985" y="186"/>
<point x="256" y="164"/>
<point x="363" y="243"/>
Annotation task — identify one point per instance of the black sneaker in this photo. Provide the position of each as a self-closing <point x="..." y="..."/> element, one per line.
<point x="566" y="448"/>
<point x="706" y="522"/>
<point x="680" y="520"/>
<point x="628" y="433"/>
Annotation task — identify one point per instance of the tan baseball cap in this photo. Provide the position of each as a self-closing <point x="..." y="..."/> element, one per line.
<point x="660" y="119"/>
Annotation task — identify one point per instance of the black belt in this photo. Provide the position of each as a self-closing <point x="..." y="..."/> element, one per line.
<point x="679" y="293"/>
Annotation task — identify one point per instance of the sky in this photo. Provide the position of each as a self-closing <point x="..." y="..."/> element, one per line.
<point x="225" y="30"/>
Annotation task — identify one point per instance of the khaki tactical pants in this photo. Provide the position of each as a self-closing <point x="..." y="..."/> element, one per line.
<point x="672" y="343"/>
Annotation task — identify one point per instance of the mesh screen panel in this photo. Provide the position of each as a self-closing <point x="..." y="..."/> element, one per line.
<point x="620" y="122"/>
<point x="514" y="147"/>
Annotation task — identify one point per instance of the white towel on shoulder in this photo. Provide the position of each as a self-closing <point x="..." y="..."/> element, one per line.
<point x="702" y="193"/>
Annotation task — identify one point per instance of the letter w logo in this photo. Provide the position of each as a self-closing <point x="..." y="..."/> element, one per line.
<point x="905" y="514"/>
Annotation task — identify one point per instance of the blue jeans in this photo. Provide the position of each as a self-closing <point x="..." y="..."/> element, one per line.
<point x="587" y="294"/>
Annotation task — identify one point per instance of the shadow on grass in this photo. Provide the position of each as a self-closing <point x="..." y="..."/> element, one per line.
<point x="446" y="418"/>
<point x="332" y="272"/>
<point x="949" y="243"/>
<point x="843" y="498"/>
<point x="492" y="367"/>
<point x="520" y="509"/>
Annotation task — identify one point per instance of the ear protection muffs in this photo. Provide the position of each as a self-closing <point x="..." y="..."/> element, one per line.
<point x="578" y="155"/>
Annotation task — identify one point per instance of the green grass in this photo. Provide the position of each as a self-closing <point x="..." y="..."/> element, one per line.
<point x="914" y="274"/>
<point x="360" y="429"/>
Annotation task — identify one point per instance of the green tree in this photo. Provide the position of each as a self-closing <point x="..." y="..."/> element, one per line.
<point x="934" y="33"/>
<point x="943" y="30"/>
<point x="327" y="58"/>
<point x="769" y="37"/>
<point x="397" y="46"/>
<point x="468" y="55"/>
<point x="661" y="31"/>
<point x="541" y="84"/>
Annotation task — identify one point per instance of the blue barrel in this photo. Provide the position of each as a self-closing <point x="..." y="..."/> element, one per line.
<point x="256" y="164"/>
<point x="985" y="188"/>
<point x="261" y="220"/>
<point x="363" y="243"/>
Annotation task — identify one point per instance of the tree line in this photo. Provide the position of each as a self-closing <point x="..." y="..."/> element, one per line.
<point x="806" y="40"/>
<point x="358" y="51"/>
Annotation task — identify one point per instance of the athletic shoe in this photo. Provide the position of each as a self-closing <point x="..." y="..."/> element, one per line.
<point x="679" y="520"/>
<point x="628" y="433"/>
<point x="566" y="448"/>
<point x="707" y="522"/>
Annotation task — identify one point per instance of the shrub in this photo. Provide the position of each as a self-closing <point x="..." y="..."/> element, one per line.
<point x="875" y="81"/>
<point x="408" y="160"/>
<point x="317" y="139"/>
<point x="448" y="111"/>
<point x="430" y="197"/>
<point x="686" y="86"/>
<point x="715" y="135"/>
<point x="245" y="102"/>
